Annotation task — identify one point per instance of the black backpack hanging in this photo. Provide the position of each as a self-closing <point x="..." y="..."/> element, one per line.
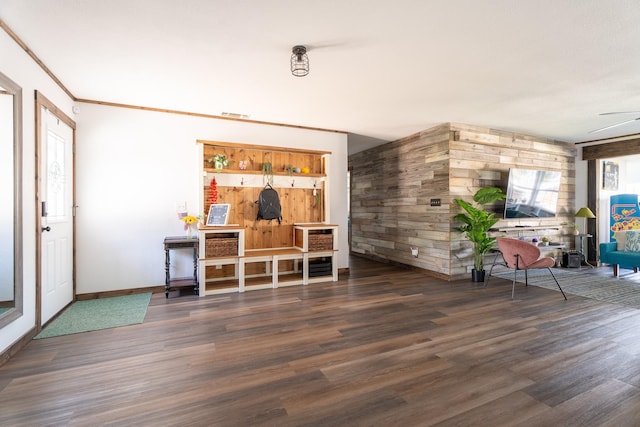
<point x="269" y="204"/>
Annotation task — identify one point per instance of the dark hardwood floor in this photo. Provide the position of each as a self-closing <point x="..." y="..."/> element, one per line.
<point x="382" y="347"/>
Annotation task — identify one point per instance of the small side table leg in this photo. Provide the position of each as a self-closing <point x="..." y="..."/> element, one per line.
<point x="196" y="290"/>
<point x="167" y="263"/>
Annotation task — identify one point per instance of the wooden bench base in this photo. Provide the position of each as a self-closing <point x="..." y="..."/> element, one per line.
<point x="272" y="277"/>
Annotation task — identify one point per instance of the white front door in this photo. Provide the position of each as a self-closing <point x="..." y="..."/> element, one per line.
<point x="56" y="199"/>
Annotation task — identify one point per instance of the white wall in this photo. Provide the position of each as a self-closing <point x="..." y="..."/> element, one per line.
<point x="20" y="68"/>
<point x="133" y="166"/>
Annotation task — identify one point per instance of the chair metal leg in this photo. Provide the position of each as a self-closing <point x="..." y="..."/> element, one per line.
<point x="486" y="277"/>
<point x="554" y="278"/>
<point x="515" y="272"/>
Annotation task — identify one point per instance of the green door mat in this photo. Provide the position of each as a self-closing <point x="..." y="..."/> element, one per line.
<point x="101" y="313"/>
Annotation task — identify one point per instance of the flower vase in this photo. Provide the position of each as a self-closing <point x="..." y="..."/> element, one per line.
<point x="189" y="232"/>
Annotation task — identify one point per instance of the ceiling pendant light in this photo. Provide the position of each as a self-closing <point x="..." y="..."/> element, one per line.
<point x="299" y="61"/>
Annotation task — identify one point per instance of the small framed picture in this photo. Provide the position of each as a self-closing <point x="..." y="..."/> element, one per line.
<point x="218" y="214"/>
<point x="610" y="175"/>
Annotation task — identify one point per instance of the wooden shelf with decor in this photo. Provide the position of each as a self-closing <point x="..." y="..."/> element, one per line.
<point x="255" y="172"/>
<point x="253" y="157"/>
<point x="270" y="257"/>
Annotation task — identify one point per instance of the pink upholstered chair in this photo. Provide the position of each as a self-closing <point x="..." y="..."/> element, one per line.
<point x="521" y="255"/>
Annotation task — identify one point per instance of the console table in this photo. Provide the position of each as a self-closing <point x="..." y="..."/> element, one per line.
<point x="180" y="242"/>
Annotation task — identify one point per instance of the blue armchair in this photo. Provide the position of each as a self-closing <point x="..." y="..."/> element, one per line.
<point x="609" y="254"/>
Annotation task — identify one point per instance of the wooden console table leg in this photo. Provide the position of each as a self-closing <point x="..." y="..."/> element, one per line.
<point x="195" y="271"/>
<point x="167" y="264"/>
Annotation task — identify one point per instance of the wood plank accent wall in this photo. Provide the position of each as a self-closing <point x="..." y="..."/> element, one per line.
<point x="393" y="184"/>
<point x="391" y="189"/>
<point x="299" y="205"/>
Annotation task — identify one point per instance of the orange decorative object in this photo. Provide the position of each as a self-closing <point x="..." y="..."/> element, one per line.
<point x="305" y="170"/>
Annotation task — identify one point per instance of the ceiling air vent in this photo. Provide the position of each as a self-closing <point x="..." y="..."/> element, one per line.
<point x="235" y="115"/>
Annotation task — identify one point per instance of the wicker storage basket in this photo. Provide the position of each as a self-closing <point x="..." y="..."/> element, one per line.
<point x="320" y="242"/>
<point x="221" y="246"/>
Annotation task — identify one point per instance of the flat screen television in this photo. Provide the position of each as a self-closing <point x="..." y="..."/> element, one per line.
<point x="532" y="193"/>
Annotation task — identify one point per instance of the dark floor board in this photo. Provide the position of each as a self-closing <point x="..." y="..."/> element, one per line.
<point x="348" y="411"/>
<point x="448" y="393"/>
<point x="590" y="409"/>
<point x="382" y="346"/>
<point x="504" y="411"/>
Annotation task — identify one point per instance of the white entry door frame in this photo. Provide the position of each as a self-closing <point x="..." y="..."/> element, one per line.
<point x="55" y="205"/>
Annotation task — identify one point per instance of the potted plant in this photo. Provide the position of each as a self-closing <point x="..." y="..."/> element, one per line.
<point x="477" y="223"/>
<point x="219" y="161"/>
<point x="267" y="172"/>
<point x="575" y="230"/>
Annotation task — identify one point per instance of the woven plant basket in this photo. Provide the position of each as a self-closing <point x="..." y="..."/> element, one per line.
<point x="320" y="242"/>
<point x="218" y="247"/>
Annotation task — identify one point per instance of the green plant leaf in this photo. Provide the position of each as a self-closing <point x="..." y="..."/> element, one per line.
<point x="477" y="222"/>
<point x="488" y="195"/>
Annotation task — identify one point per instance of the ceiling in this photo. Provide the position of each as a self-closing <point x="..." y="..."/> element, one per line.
<point x="546" y="68"/>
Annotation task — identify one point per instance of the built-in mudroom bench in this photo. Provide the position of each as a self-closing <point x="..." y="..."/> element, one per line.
<point x="227" y="267"/>
<point x="245" y="252"/>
